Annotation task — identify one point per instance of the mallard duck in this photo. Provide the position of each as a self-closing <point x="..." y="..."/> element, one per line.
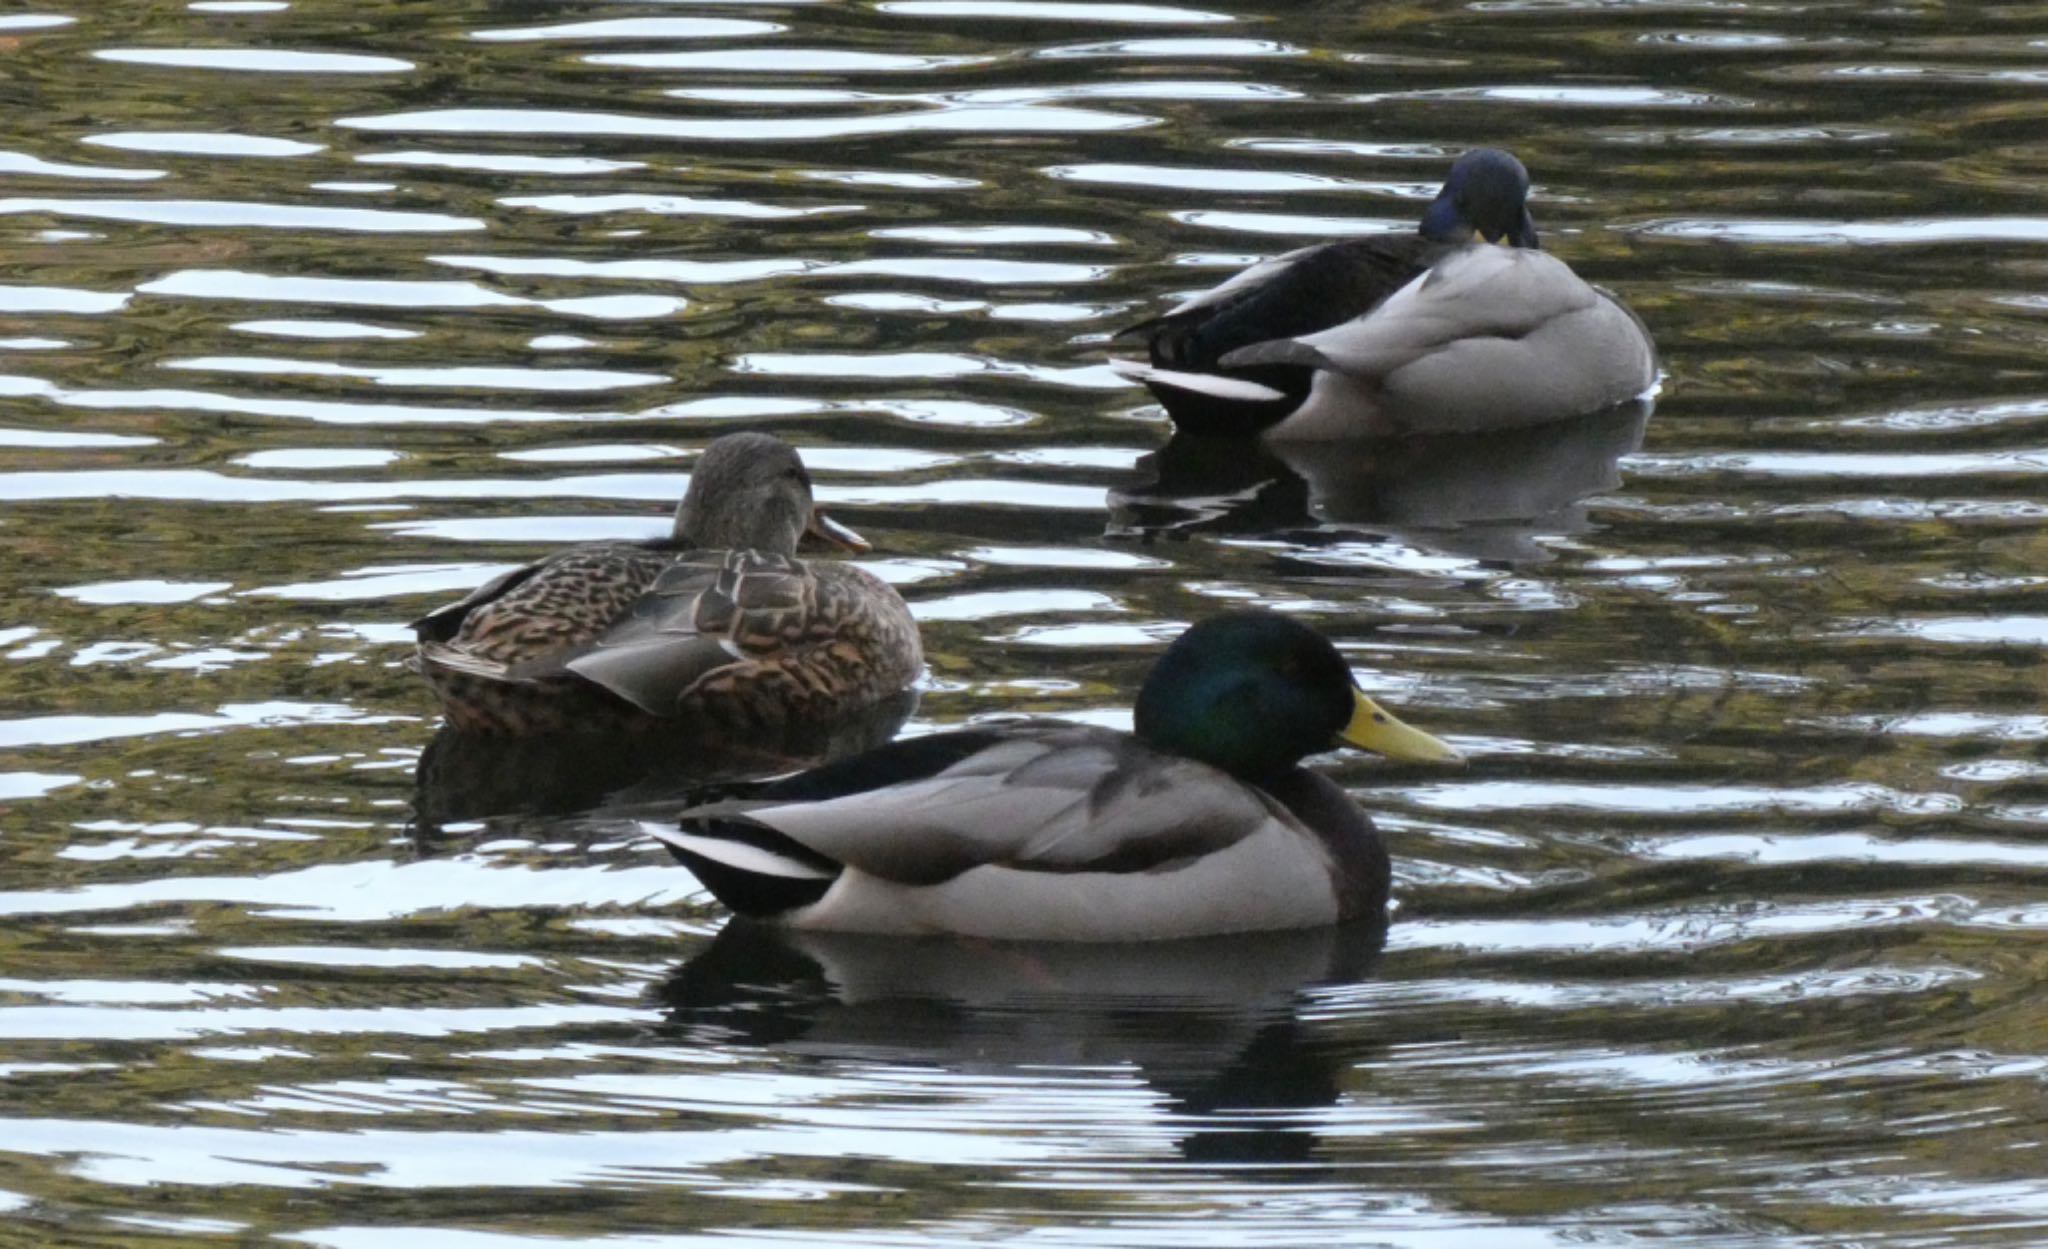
<point x="1423" y="333"/>
<point x="717" y="627"/>
<point x="1200" y="822"/>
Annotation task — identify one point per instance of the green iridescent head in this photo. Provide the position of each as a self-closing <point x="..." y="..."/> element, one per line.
<point x="1254" y="692"/>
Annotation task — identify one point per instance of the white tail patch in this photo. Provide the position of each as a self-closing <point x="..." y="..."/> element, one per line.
<point x="737" y="855"/>
<point x="1199" y="383"/>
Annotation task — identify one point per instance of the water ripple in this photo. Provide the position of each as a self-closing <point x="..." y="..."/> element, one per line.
<point x="321" y="315"/>
<point x="630" y="28"/>
<point x="258" y="60"/>
<point x="227" y="214"/>
<point x="1023" y="117"/>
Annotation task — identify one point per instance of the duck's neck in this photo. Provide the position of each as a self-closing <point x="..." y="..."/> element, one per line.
<point x="770" y="529"/>
<point x="1443" y="223"/>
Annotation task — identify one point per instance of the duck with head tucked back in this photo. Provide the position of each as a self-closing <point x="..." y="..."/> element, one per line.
<point x="717" y="628"/>
<point x="1200" y="822"/>
<point x="1426" y="333"/>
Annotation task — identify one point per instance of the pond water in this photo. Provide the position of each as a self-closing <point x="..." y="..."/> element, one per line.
<point x="318" y="313"/>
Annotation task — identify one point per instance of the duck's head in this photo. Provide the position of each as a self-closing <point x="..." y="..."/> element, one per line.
<point x="751" y="492"/>
<point x="1253" y="692"/>
<point x="1487" y="193"/>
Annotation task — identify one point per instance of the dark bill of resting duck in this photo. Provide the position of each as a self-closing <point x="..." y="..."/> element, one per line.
<point x="1200" y="822"/>
<point x="716" y="628"/>
<point x="1434" y="332"/>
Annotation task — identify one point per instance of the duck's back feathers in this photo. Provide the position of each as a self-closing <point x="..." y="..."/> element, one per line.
<point x="1296" y="293"/>
<point x="444" y="622"/>
<point x="563" y="600"/>
<point x="494" y="658"/>
<point x="1292" y="294"/>
<point x="1047" y="831"/>
<point x="1058" y="799"/>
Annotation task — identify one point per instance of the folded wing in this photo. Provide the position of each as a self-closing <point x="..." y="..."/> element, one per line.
<point x="1058" y="798"/>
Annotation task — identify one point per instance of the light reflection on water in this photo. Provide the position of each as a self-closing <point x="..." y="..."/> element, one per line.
<point x="321" y="313"/>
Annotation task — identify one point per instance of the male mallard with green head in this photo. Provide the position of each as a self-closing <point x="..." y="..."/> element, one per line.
<point x="717" y="627"/>
<point x="1202" y="821"/>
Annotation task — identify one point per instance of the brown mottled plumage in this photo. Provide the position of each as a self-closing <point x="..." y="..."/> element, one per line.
<point x="717" y="627"/>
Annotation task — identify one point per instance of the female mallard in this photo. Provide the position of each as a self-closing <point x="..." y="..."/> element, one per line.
<point x="718" y="627"/>
<point x="1424" y="333"/>
<point x="1200" y="822"/>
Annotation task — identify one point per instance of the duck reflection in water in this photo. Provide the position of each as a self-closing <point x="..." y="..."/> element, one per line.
<point x="1484" y="496"/>
<point x="470" y="776"/>
<point x="1210" y="1023"/>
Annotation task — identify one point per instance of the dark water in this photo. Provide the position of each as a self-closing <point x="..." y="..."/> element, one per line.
<point x="316" y="314"/>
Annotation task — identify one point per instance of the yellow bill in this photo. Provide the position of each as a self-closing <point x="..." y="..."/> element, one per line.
<point x="1373" y="728"/>
<point x="825" y="529"/>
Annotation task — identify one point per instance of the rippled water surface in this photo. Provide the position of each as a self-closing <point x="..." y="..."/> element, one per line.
<point x="318" y="313"/>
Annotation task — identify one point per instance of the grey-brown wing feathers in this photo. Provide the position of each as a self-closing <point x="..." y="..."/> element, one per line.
<point x="1068" y="800"/>
<point x="687" y="625"/>
<point x="655" y="672"/>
